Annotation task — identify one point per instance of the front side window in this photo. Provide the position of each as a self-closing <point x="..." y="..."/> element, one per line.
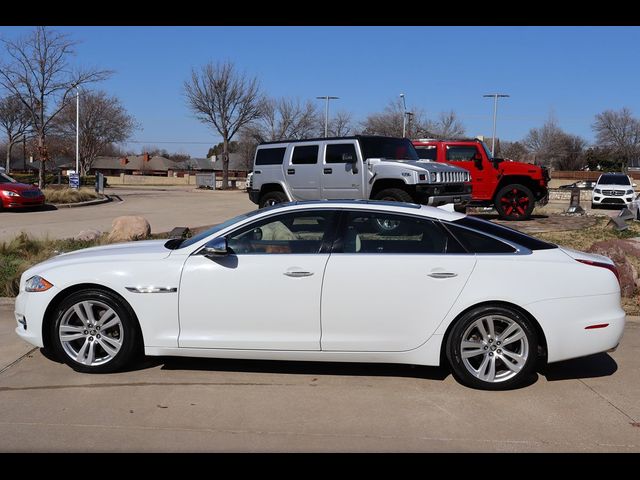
<point x="460" y="153"/>
<point x="340" y="153"/>
<point x="305" y="155"/>
<point x="295" y="232"/>
<point x="374" y="232"/>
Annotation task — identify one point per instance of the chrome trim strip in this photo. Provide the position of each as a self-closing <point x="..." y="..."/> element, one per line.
<point x="152" y="289"/>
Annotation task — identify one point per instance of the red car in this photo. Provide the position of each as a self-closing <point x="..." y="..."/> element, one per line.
<point x="18" y="195"/>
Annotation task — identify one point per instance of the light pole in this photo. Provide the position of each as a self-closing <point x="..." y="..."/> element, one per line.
<point x="495" y="115"/>
<point x="326" y="112"/>
<point x="404" y="116"/>
<point x="77" y="130"/>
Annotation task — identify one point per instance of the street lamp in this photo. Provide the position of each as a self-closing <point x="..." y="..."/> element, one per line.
<point x="326" y="112"/>
<point x="77" y="130"/>
<point x="495" y="114"/>
<point x="404" y="115"/>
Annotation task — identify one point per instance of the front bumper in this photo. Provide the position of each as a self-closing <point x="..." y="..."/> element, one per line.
<point x="29" y="314"/>
<point x="20" y="202"/>
<point x="435" y="195"/>
<point x="622" y="200"/>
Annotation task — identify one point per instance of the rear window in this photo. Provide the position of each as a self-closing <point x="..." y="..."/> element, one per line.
<point x="475" y="242"/>
<point x="305" y="155"/>
<point x="426" y="153"/>
<point x="270" y="156"/>
<point x="505" y="233"/>
<point x="612" y="179"/>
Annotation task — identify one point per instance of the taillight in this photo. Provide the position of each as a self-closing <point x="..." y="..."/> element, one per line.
<point x="608" y="266"/>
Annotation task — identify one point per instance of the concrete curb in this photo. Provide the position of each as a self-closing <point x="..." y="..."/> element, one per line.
<point x="100" y="201"/>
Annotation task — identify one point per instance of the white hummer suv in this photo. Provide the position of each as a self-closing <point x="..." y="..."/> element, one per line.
<point x="358" y="167"/>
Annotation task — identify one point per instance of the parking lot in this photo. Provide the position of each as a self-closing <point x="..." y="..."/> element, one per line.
<point x="177" y="404"/>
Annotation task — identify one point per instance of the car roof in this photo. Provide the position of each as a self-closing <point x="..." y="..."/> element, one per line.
<point x="391" y="207"/>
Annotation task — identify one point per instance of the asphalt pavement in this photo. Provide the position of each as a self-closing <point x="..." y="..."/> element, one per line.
<point x="195" y="405"/>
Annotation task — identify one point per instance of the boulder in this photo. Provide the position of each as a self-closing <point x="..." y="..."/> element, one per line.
<point x="88" y="235"/>
<point x="130" y="227"/>
<point x="619" y="251"/>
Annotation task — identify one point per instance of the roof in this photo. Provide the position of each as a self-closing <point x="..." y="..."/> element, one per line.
<point x="317" y="139"/>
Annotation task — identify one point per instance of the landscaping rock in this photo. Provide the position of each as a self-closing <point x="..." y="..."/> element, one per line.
<point x="88" y="235"/>
<point x="129" y="228"/>
<point x="619" y="251"/>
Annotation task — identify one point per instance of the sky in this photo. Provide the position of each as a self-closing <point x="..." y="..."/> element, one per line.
<point x="572" y="73"/>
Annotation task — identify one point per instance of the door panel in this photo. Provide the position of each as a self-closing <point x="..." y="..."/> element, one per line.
<point x="483" y="180"/>
<point x="341" y="179"/>
<point x="376" y="298"/>
<point x="265" y="294"/>
<point x="303" y="172"/>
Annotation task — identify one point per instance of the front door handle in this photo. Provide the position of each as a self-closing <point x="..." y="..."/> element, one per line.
<point x="443" y="275"/>
<point x="328" y="170"/>
<point x="298" y="274"/>
<point x="291" y="171"/>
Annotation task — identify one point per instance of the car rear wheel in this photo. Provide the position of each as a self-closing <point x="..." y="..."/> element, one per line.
<point x="492" y="348"/>
<point x="94" y="331"/>
<point x="514" y="202"/>
<point x="272" y="198"/>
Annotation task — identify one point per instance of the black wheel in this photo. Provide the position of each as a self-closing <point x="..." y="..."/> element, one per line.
<point x="94" y="331"/>
<point x="393" y="195"/>
<point x="460" y="208"/>
<point x="272" y="198"/>
<point x="514" y="202"/>
<point x="492" y="348"/>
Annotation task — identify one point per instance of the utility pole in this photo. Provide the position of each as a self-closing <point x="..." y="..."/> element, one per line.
<point x="404" y="116"/>
<point x="326" y="112"/>
<point x="77" y="131"/>
<point x="495" y="115"/>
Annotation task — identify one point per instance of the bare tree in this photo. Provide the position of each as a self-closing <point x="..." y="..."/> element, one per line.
<point x="284" y="118"/>
<point x="341" y="124"/>
<point x="513" y="151"/>
<point x="15" y="121"/>
<point x="448" y="125"/>
<point x="39" y="74"/>
<point x="103" y="121"/>
<point x="390" y="122"/>
<point x="554" y="147"/>
<point x="220" y="96"/>
<point x="619" y="131"/>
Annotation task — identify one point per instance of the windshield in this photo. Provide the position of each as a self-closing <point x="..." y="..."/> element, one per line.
<point x="487" y="151"/>
<point x="614" y="179"/>
<point x="6" y="179"/>
<point x="388" y="147"/>
<point x="217" y="228"/>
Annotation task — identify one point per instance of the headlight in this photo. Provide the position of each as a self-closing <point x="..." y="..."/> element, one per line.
<point x="629" y="192"/>
<point x="37" y="284"/>
<point x="597" y="190"/>
<point x="434" y="177"/>
<point x="9" y="193"/>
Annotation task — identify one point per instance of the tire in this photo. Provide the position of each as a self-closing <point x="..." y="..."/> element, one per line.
<point x="86" y="348"/>
<point x="460" y="208"/>
<point x="393" y="195"/>
<point x="473" y="366"/>
<point x="514" y="202"/>
<point x="272" y="198"/>
<point x="594" y="206"/>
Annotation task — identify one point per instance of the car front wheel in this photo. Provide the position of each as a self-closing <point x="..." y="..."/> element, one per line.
<point x="94" y="331"/>
<point x="492" y="348"/>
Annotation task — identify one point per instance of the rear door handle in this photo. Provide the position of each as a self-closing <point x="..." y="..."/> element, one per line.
<point x="291" y="171"/>
<point x="443" y="275"/>
<point x="328" y="170"/>
<point x="298" y="274"/>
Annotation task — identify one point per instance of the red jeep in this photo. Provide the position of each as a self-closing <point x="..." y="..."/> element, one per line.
<point x="512" y="188"/>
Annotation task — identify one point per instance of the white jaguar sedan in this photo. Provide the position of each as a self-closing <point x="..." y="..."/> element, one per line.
<point x="348" y="281"/>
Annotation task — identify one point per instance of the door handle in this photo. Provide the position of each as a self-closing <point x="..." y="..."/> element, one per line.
<point x="328" y="170"/>
<point x="298" y="274"/>
<point x="443" y="275"/>
<point x="291" y="171"/>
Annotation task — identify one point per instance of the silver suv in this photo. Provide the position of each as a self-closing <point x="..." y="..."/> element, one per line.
<point x="358" y="167"/>
<point x="613" y="189"/>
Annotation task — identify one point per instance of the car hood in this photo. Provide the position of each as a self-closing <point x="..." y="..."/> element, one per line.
<point x="17" y="187"/>
<point x="121" y="252"/>
<point x="512" y="166"/>
<point x="425" y="165"/>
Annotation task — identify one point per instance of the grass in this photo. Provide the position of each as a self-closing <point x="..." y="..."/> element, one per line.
<point x="68" y="195"/>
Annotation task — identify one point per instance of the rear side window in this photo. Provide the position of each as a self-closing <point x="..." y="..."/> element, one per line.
<point x="478" y="243"/>
<point x="340" y="153"/>
<point x="305" y="155"/>
<point x="508" y="234"/>
<point x="270" y="156"/>
<point x="460" y="153"/>
<point x="426" y="153"/>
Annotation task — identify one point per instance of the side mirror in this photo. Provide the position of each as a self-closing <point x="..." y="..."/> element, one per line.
<point x="216" y="247"/>
<point x="352" y="159"/>
<point x="477" y="161"/>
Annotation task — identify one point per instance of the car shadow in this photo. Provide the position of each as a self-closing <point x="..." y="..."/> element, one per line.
<point x="41" y="208"/>
<point x="593" y="366"/>
<point x="299" y="368"/>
